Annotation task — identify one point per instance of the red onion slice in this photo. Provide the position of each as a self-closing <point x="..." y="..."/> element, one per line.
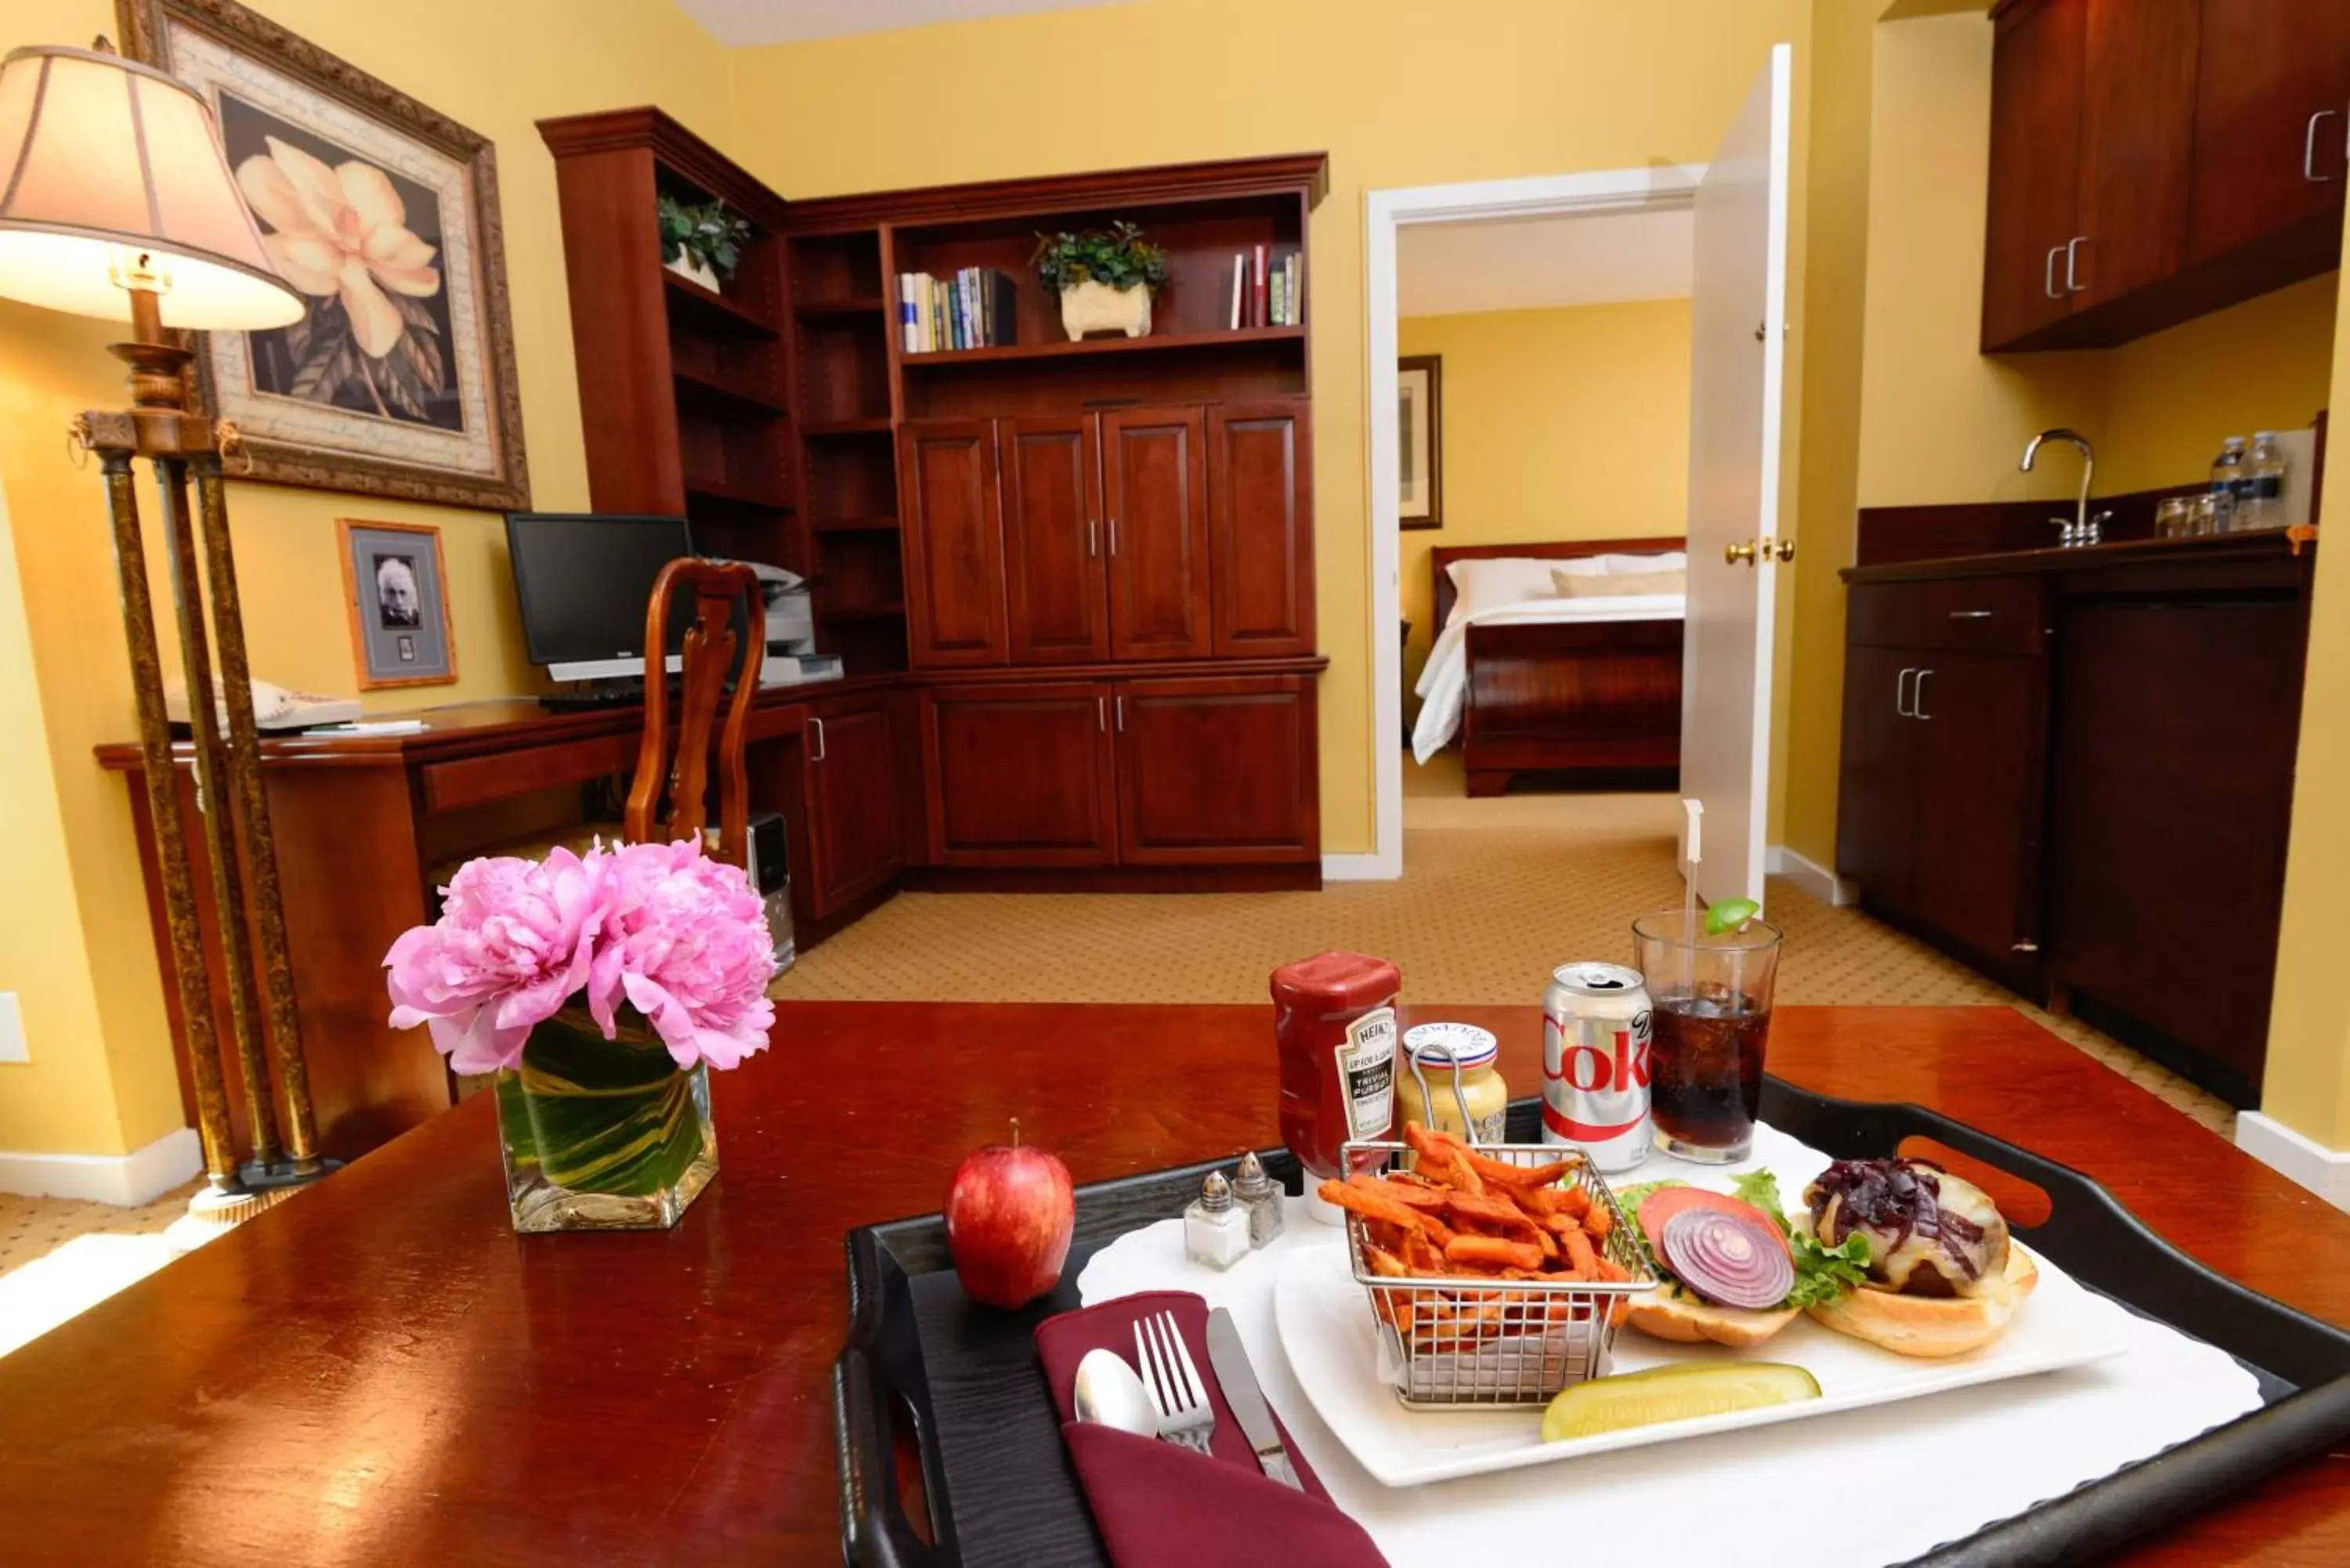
<point x="1728" y="1259"/>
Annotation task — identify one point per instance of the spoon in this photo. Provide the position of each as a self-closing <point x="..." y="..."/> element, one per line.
<point x="1110" y="1394"/>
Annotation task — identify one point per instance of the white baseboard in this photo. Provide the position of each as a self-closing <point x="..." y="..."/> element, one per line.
<point x="1810" y="876"/>
<point x="2324" y="1171"/>
<point x="127" y="1179"/>
<point x="1360" y="868"/>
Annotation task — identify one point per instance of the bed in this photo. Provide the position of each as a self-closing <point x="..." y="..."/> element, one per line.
<point x="1574" y="685"/>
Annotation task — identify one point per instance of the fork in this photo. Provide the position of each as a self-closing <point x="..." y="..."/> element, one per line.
<point x="1173" y="1382"/>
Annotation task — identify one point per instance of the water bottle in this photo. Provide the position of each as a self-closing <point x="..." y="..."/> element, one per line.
<point x="2263" y="503"/>
<point x="2228" y="483"/>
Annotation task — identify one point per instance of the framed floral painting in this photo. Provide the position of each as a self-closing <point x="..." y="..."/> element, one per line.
<point x="401" y="379"/>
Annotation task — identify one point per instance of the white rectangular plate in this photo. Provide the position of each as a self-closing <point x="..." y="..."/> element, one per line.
<point x="1326" y="1332"/>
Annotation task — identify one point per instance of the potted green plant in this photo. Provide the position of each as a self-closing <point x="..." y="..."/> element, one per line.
<point x="702" y="241"/>
<point x="1106" y="279"/>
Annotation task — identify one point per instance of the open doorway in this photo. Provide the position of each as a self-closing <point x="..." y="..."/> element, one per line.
<point x="1605" y="647"/>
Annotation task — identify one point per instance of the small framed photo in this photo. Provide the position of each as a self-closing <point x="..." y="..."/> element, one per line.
<point x="1419" y="405"/>
<point x="396" y="590"/>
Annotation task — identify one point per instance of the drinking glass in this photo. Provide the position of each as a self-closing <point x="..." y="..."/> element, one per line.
<point x="1709" y="996"/>
<point x="2174" y="519"/>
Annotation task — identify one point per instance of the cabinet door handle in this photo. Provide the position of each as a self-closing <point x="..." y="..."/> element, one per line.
<point x="1101" y="713"/>
<point x="1918" y="697"/>
<point x="1901" y="694"/>
<point x="2026" y="946"/>
<point x="2048" y="274"/>
<point x="1121" y="713"/>
<point x="2073" y="262"/>
<point x="2309" y="148"/>
<point x="1973" y="615"/>
<point x="1093" y="538"/>
<point x="817" y="725"/>
<point x="1113" y="536"/>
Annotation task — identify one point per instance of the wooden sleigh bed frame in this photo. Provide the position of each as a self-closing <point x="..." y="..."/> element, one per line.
<point x="1596" y="698"/>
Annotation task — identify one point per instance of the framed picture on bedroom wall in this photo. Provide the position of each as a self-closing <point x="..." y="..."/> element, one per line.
<point x="397" y="592"/>
<point x="399" y="380"/>
<point x="1419" y="404"/>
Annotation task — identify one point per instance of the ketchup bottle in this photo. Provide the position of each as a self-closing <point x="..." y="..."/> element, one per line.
<point x="1334" y="1021"/>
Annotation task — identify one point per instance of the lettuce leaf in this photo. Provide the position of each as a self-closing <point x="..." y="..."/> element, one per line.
<point x="1822" y="1273"/>
<point x="1761" y="1188"/>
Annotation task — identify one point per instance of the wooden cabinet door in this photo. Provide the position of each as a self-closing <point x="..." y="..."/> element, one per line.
<point x="1053" y="564"/>
<point x="1979" y="723"/>
<point x="1877" y="797"/>
<point x="2137" y="132"/>
<point x="2035" y="127"/>
<point x="2272" y="118"/>
<point x="948" y="511"/>
<point x="1260" y="528"/>
<point x="1155" y="506"/>
<point x="1219" y="770"/>
<point x="1020" y="774"/>
<point x="851" y="792"/>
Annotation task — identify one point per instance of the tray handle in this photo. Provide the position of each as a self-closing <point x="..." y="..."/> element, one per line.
<point x="2090" y="1233"/>
<point x="874" y="1529"/>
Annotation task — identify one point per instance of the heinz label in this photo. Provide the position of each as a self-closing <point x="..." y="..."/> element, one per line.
<point x="1366" y="1073"/>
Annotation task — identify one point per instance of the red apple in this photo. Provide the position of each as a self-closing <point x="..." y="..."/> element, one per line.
<point x="1009" y="1214"/>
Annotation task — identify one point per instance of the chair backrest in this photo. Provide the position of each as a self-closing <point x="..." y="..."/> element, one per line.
<point x="706" y="657"/>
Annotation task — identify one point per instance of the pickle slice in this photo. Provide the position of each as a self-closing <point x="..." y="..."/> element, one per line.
<point x="1677" y="1393"/>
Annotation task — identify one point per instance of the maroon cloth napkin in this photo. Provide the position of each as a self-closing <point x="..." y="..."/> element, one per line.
<point x="1161" y="1506"/>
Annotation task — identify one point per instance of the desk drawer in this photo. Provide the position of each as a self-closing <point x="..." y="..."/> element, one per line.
<point x="1987" y="614"/>
<point x="449" y="786"/>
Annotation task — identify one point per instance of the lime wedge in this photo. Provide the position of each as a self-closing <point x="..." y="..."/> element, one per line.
<point x="1730" y="915"/>
<point x="1681" y="1392"/>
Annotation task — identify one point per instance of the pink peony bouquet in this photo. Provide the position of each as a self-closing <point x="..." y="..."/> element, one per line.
<point x="660" y="927"/>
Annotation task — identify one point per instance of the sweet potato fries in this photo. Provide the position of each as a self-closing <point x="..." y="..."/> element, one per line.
<point x="1462" y="1214"/>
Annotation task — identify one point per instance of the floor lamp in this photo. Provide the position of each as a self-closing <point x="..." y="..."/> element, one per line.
<point x="116" y="196"/>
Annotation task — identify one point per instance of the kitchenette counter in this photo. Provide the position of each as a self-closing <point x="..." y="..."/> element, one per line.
<point x="2294" y="549"/>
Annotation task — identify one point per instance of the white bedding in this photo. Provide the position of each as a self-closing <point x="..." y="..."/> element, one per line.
<point x="1446" y="677"/>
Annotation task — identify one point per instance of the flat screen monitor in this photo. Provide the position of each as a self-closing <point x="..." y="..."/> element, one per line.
<point x="583" y="580"/>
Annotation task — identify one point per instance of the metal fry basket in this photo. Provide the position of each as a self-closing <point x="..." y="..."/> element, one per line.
<point x="1475" y="1341"/>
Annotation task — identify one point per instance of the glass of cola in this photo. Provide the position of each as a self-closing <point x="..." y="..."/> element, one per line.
<point x="1711" y="998"/>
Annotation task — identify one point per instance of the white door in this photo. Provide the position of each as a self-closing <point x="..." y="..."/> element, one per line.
<point x="1737" y="314"/>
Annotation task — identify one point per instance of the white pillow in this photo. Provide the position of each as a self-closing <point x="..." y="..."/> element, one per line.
<point x="1670" y="561"/>
<point x="1619" y="585"/>
<point x="1481" y="584"/>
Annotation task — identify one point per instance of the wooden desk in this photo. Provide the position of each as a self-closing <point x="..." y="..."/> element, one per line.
<point x="362" y="821"/>
<point x="380" y="1372"/>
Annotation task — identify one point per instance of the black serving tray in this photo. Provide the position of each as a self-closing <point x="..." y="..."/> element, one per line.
<point x="963" y="1382"/>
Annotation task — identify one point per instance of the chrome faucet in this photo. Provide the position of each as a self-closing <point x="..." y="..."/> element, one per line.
<point x="2080" y="528"/>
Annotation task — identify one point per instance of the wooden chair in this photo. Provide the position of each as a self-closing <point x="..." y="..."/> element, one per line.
<point x="706" y="657"/>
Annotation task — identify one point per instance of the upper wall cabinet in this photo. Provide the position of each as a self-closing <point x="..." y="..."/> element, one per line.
<point x="2153" y="160"/>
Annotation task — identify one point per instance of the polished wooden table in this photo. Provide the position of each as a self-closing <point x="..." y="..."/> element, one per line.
<point x="380" y="1372"/>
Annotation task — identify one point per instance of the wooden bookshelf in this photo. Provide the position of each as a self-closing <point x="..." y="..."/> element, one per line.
<point x="1085" y="347"/>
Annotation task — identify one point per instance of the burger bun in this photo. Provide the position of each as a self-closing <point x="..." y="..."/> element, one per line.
<point x="1932" y="1326"/>
<point x="1670" y="1313"/>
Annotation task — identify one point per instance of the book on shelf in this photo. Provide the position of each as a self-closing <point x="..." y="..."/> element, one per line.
<point x="1267" y="290"/>
<point x="1239" y="290"/>
<point x="975" y="309"/>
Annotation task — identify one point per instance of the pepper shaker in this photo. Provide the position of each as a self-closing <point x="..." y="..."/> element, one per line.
<point x="1256" y="1192"/>
<point x="1215" y="1229"/>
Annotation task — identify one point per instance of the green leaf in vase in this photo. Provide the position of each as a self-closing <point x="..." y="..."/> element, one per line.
<point x="604" y="1116"/>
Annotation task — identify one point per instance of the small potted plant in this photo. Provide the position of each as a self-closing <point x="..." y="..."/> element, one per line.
<point x="1106" y="279"/>
<point x="599" y="990"/>
<point x="702" y="242"/>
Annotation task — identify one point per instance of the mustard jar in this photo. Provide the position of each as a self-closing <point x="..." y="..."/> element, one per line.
<point x="1450" y="1083"/>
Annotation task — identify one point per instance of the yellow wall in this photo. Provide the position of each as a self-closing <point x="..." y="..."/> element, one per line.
<point x="74" y="942"/>
<point x="1558" y="424"/>
<point x="1398" y="92"/>
<point x="2307" y="1081"/>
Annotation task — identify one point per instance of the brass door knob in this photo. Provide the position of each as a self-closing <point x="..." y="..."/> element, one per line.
<point x="1787" y="549"/>
<point x="1734" y="554"/>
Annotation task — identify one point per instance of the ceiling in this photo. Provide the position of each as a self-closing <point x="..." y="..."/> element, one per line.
<point x="1532" y="264"/>
<point x="740" y="22"/>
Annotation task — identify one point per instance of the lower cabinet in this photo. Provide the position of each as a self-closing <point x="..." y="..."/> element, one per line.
<point x="1219" y="770"/>
<point x="1205" y="770"/>
<point x="1940" y="803"/>
<point x="850" y="755"/>
<point x="1020" y="774"/>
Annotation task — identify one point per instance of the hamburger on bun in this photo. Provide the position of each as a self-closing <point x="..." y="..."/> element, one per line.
<point x="1943" y="1276"/>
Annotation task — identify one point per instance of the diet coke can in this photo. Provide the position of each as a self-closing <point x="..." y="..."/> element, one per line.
<point x="1595" y="1063"/>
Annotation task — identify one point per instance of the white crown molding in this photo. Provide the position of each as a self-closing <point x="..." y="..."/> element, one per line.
<point x="125" y="1180"/>
<point x="2296" y="1156"/>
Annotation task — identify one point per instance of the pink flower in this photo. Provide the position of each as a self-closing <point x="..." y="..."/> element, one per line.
<point x="684" y="941"/>
<point x="514" y="941"/>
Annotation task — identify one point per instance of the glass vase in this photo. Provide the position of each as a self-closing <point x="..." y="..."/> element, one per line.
<point x="603" y="1134"/>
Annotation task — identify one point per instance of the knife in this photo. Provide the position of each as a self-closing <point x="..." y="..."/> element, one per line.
<point x="1246" y="1399"/>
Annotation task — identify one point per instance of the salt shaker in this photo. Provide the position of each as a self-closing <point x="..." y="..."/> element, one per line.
<point x="1256" y="1193"/>
<point x="1215" y="1229"/>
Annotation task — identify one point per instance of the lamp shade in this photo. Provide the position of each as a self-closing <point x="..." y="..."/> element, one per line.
<point x="104" y="161"/>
